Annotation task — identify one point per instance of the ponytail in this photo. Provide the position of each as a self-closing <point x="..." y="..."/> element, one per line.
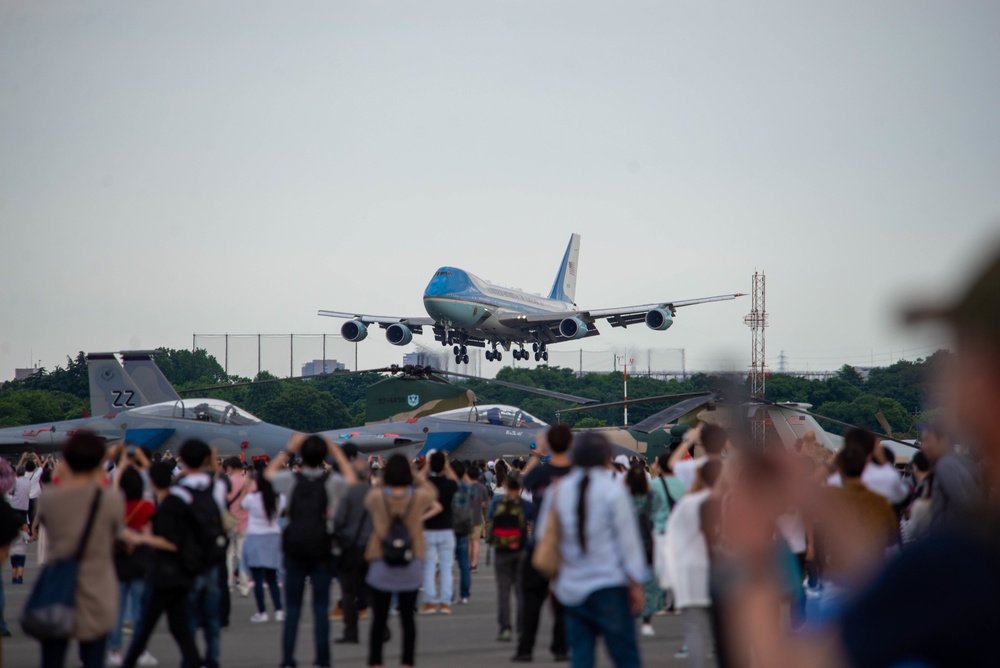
<point x="581" y="512"/>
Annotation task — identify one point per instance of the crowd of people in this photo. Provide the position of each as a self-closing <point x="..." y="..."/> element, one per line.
<point x="770" y="558"/>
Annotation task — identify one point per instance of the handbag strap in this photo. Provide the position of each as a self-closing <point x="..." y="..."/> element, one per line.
<point x="670" y="499"/>
<point x="90" y="525"/>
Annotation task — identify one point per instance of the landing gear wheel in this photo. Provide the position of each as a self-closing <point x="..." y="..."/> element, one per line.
<point x="534" y="347"/>
<point x="538" y="356"/>
<point x="463" y="350"/>
<point x="545" y="355"/>
<point x="498" y="356"/>
<point x="465" y="359"/>
<point x="456" y="351"/>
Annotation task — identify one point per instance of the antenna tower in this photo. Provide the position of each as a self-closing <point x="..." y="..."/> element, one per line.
<point x="756" y="320"/>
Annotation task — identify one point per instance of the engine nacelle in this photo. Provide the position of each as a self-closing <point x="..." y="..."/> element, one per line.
<point x="354" y="331"/>
<point x="398" y="334"/>
<point x="573" y="328"/>
<point x="659" y="319"/>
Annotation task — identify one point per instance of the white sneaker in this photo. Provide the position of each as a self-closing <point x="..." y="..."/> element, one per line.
<point x="279" y="616"/>
<point x="648" y="630"/>
<point x="259" y="617"/>
<point x="114" y="658"/>
<point x="147" y="659"/>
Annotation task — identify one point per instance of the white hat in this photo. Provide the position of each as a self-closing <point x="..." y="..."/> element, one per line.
<point x="490" y="465"/>
<point x="622" y="460"/>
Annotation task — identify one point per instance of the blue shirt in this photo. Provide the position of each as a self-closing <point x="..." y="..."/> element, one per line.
<point x="614" y="556"/>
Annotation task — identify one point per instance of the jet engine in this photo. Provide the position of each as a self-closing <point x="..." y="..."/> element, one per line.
<point x="659" y="319"/>
<point x="398" y="334"/>
<point x="354" y="331"/>
<point x="573" y="328"/>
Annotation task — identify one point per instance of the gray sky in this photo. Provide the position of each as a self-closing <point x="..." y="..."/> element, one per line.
<point x="170" y="168"/>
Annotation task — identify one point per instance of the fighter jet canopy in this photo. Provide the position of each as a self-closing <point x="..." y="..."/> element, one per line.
<point x="203" y="410"/>
<point x="494" y="414"/>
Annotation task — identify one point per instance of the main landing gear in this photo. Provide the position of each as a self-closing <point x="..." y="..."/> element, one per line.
<point x="461" y="354"/>
<point x="495" y="355"/>
<point x="541" y="354"/>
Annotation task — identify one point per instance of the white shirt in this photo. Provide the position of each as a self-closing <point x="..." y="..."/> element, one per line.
<point x="686" y="470"/>
<point x="19" y="495"/>
<point x="883" y="479"/>
<point x="614" y="546"/>
<point x="687" y="552"/>
<point x="35" y="478"/>
<point x="258" y="523"/>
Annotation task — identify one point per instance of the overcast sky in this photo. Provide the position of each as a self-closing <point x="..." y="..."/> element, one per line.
<point x="182" y="167"/>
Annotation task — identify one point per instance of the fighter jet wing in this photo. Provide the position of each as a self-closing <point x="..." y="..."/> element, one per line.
<point x="617" y="317"/>
<point x="382" y="321"/>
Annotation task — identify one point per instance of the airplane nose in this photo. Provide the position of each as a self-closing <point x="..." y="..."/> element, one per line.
<point x="458" y="313"/>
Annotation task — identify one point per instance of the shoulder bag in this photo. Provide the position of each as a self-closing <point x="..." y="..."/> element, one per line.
<point x="50" y="613"/>
<point x="546" y="557"/>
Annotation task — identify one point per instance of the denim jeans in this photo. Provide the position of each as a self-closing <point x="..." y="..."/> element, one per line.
<point x="464" y="569"/>
<point x="440" y="550"/>
<point x="204" y="604"/>
<point x="320" y="573"/>
<point x="130" y="604"/>
<point x="605" y="612"/>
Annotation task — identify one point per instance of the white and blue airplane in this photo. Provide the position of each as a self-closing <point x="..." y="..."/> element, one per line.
<point x="464" y="310"/>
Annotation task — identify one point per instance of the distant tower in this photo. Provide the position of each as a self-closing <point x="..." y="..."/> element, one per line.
<point x="756" y="320"/>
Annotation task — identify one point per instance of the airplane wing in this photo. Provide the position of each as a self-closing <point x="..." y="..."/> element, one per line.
<point x="617" y="317"/>
<point x="382" y="321"/>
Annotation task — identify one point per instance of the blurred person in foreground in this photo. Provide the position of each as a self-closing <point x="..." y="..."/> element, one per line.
<point x="938" y="603"/>
<point x="602" y="567"/>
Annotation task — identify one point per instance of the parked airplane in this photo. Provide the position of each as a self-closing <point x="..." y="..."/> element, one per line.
<point x="467" y="311"/>
<point x="478" y="432"/>
<point x="122" y="413"/>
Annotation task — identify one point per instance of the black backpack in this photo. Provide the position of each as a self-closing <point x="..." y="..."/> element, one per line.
<point x="206" y="541"/>
<point x="397" y="547"/>
<point x="307" y="535"/>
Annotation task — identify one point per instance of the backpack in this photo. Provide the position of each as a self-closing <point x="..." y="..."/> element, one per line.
<point x="307" y="535"/>
<point x="397" y="547"/>
<point x="462" y="511"/>
<point x="509" y="526"/>
<point x="646" y="527"/>
<point x="205" y="543"/>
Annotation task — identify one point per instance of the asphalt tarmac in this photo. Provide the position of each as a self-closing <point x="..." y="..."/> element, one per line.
<point x="467" y="637"/>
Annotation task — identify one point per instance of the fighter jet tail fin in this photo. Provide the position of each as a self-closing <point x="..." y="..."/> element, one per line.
<point x="111" y="389"/>
<point x="141" y="368"/>
<point x="564" y="288"/>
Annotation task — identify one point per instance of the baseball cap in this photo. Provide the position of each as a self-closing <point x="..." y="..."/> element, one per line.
<point x="977" y="309"/>
<point x="621" y="460"/>
<point x="490" y="465"/>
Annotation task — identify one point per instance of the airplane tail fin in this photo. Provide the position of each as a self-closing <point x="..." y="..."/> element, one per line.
<point x="142" y="369"/>
<point x="564" y="288"/>
<point x="111" y="389"/>
<point x="792" y="425"/>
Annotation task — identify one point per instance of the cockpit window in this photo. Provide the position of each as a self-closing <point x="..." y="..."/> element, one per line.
<point x="202" y="410"/>
<point x="443" y="273"/>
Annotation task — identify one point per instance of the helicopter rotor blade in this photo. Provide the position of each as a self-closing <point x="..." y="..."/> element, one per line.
<point x="643" y="400"/>
<point x="552" y="394"/>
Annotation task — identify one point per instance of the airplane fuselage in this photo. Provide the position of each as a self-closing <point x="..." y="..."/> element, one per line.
<point x="459" y="300"/>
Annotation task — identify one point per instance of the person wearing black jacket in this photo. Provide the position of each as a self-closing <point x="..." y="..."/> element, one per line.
<point x="170" y="583"/>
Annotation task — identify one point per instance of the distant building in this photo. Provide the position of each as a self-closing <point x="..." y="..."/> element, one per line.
<point x="423" y="359"/>
<point x="21" y="374"/>
<point x="321" y="366"/>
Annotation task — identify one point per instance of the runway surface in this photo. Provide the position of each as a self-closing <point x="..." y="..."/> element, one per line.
<point x="465" y="638"/>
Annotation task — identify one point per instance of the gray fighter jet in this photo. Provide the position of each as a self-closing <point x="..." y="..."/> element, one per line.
<point x="123" y="413"/>
<point x="479" y="432"/>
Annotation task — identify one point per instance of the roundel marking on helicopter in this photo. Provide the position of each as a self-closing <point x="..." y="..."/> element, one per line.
<point x="107" y="374"/>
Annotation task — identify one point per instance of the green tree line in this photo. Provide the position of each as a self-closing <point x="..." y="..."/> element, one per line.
<point x="901" y="392"/>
